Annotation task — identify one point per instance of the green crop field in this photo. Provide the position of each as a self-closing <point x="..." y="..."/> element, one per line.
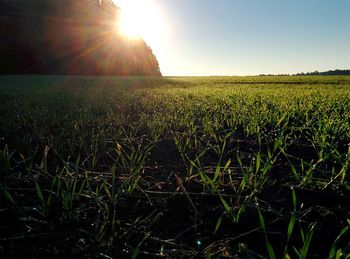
<point x="208" y="167"/>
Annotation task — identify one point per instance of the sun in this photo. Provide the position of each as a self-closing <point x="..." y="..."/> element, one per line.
<point x="140" y="18"/>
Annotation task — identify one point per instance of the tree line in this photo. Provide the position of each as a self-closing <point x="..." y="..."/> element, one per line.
<point x="73" y="37"/>
<point x="336" y="72"/>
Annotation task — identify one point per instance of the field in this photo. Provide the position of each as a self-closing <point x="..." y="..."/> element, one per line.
<point x="108" y="167"/>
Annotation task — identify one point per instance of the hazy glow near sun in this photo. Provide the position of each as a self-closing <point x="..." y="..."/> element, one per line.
<point x="140" y="18"/>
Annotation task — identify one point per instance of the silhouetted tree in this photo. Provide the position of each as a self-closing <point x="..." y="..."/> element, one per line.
<point x="76" y="37"/>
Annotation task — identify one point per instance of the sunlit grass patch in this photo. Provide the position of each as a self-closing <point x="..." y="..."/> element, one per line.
<point x="174" y="166"/>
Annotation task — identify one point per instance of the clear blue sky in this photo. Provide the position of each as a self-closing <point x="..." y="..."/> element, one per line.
<point x="242" y="37"/>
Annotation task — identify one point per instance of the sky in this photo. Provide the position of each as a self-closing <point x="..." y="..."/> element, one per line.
<point x="249" y="37"/>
